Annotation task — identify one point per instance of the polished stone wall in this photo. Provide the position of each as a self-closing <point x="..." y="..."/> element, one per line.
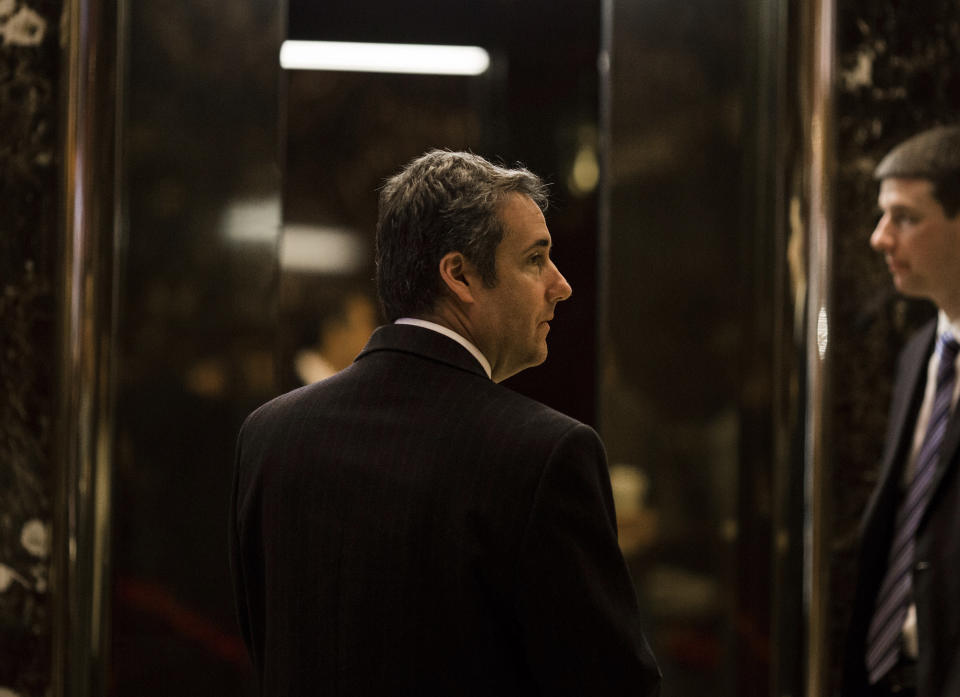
<point x="898" y="73"/>
<point x="29" y="122"/>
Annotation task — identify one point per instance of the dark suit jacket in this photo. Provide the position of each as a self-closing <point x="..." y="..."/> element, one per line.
<point x="936" y="575"/>
<point x="408" y="527"/>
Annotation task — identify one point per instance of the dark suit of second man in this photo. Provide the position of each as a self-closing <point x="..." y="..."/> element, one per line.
<point x="904" y="637"/>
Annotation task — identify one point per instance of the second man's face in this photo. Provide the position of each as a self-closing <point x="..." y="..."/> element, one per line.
<point x="514" y="314"/>
<point x="920" y="244"/>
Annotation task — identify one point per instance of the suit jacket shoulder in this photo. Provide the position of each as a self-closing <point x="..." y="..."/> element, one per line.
<point x="456" y="537"/>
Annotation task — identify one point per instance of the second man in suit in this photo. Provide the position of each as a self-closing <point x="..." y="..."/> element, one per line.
<point x="904" y="637"/>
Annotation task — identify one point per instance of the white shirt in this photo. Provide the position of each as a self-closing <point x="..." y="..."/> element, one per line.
<point x="446" y="331"/>
<point x="910" y="641"/>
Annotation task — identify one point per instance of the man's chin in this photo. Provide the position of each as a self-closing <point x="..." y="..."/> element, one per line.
<point x="541" y="355"/>
<point x="535" y="359"/>
<point x="905" y="287"/>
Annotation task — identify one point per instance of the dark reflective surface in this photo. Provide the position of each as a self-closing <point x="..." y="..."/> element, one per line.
<point x="197" y="331"/>
<point x="696" y="286"/>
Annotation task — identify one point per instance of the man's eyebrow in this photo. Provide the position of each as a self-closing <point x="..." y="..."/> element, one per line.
<point x="543" y="242"/>
<point x="900" y="208"/>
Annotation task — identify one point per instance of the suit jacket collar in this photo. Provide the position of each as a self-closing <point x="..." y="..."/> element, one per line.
<point x="426" y="343"/>
<point x="905" y="403"/>
<point x="903" y="412"/>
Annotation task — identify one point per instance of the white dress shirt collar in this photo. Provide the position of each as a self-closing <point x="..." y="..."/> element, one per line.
<point x="446" y="331"/>
<point x="944" y="324"/>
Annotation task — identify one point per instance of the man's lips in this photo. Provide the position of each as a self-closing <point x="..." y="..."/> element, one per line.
<point x="896" y="266"/>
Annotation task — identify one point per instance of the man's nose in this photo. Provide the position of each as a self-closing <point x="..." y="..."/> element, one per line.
<point x="881" y="239"/>
<point x="561" y="289"/>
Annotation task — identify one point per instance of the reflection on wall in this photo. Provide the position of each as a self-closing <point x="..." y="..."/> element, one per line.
<point x="197" y="322"/>
<point x="899" y="74"/>
<point x="29" y="78"/>
<point x="685" y="367"/>
<point x="326" y="324"/>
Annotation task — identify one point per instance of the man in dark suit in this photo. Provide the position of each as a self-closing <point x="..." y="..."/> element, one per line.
<point x="904" y="637"/>
<point x="411" y="527"/>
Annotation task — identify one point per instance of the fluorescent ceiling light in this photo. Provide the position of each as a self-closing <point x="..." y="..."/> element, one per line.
<point x="384" y="58"/>
<point x="317" y="249"/>
<point x="255" y="220"/>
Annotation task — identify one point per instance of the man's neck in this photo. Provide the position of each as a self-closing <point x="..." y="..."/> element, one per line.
<point x="451" y="333"/>
<point x="952" y="312"/>
<point x="946" y="322"/>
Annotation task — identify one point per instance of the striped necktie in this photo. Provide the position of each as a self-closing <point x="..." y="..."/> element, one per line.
<point x="893" y="598"/>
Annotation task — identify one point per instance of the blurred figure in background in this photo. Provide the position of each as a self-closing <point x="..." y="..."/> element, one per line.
<point x="342" y="332"/>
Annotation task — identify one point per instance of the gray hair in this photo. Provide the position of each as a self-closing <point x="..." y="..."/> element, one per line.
<point x="442" y="202"/>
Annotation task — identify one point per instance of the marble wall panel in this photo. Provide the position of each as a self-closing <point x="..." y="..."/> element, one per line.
<point x="29" y="122"/>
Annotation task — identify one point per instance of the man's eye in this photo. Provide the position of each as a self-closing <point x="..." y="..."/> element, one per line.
<point x="537" y="259"/>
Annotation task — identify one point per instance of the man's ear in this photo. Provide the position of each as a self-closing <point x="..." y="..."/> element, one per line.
<point x="456" y="274"/>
